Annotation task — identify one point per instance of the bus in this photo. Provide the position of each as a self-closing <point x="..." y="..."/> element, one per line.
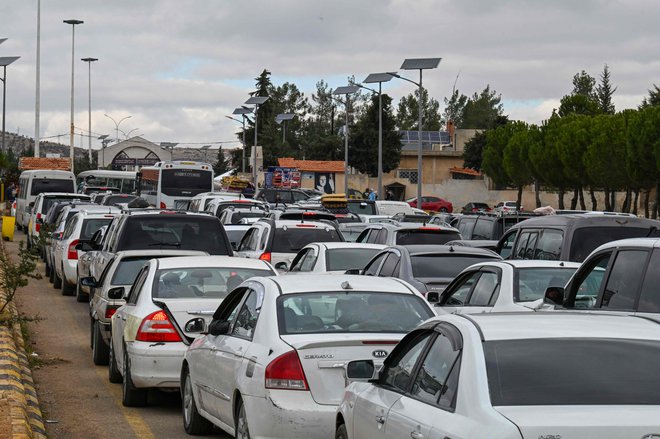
<point x="171" y="185"/>
<point x="122" y="180"/>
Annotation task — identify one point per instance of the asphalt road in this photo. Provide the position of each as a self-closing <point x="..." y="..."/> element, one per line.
<point x="76" y="397"/>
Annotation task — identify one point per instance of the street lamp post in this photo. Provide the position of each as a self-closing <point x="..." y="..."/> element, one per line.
<point x="126" y="135"/>
<point x="281" y="119"/>
<point x="372" y="79"/>
<point x="37" y="99"/>
<point x="104" y="142"/>
<point x="243" y="111"/>
<point x="256" y="101"/>
<point x="89" y="62"/>
<point x="346" y="90"/>
<point x="73" y="24"/>
<point x="418" y="64"/>
<point x="117" y="124"/>
<point x="4" y="62"/>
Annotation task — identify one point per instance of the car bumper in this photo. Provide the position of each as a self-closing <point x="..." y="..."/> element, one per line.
<point x="289" y="414"/>
<point x="154" y="365"/>
<point x="70" y="274"/>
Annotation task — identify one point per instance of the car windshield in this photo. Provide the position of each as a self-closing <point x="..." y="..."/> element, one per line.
<point x="40" y="185"/>
<point x="292" y="239"/>
<point x="362" y="208"/>
<point x="425" y="236"/>
<point x="587" y="239"/>
<point x="342" y="259"/>
<point x="91" y="225"/>
<point x="201" y="283"/>
<point x="127" y="270"/>
<point x="444" y="265"/>
<point x="594" y="371"/>
<point x="532" y="282"/>
<point x="186" y="182"/>
<point x="119" y="198"/>
<point x="167" y="231"/>
<point x="342" y="311"/>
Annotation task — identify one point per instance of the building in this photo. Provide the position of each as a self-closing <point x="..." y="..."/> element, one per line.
<point x="132" y="153"/>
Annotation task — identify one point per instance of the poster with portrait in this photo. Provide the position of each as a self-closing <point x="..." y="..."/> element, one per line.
<point x="324" y="182"/>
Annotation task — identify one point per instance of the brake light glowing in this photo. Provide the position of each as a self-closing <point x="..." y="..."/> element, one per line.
<point x="162" y="205"/>
<point x="286" y="372"/>
<point x="156" y="327"/>
<point x="265" y="257"/>
<point x="72" y="253"/>
<point x="110" y="311"/>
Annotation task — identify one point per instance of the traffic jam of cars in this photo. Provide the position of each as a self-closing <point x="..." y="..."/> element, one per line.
<point x="295" y="314"/>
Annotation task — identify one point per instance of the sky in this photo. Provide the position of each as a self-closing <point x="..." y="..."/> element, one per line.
<point x="178" y="67"/>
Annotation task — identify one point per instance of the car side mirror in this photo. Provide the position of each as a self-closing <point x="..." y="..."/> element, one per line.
<point x="433" y="297"/>
<point x="281" y="266"/>
<point x="360" y="370"/>
<point x="116" y="293"/>
<point x="219" y="327"/>
<point x="195" y="326"/>
<point x="40" y="220"/>
<point x="88" y="281"/>
<point x="84" y="246"/>
<point x="353" y="271"/>
<point x="554" y="296"/>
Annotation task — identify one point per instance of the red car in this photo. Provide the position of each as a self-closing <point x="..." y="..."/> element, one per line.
<point x="433" y="204"/>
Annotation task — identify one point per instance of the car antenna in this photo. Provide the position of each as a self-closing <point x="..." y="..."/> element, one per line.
<point x="346" y="286"/>
<point x="451" y="249"/>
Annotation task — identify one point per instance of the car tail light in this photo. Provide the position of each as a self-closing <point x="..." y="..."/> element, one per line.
<point x="72" y="253"/>
<point x="157" y="327"/>
<point x="162" y="205"/>
<point x="110" y="311"/>
<point x="286" y="372"/>
<point x="265" y="257"/>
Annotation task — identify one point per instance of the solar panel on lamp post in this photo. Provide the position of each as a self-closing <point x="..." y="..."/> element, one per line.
<point x="73" y="24"/>
<point x="418" y="64"/>
<point x="243" y="111"/>
<point x="346" y="90"/>
<point x="256" y="101"/>
<point x="372" y="79"/>
<point x="282" y="118"/>
<point x="4" y="62"/>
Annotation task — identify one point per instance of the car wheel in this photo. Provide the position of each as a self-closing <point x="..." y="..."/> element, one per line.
<point x="47" y="270"/>
<point x="57" y="282"/>
<point x="242" y="430"/>
<point x="113" y="371"/>
<point x="131" y="396"/>
<point x="193" y="422"/>
<point x="67" y="290"/>
<point x="100" y="350"/>
<point x="91" y="332"/>
<point x="341" y="432"/>
<point x="444" y="210"/>
<point x="80" y="296"/>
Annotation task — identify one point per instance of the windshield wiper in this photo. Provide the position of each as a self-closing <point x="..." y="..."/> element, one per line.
<point x="166" y="244"/>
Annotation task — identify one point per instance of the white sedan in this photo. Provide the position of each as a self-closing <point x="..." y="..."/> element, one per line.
<point x="273" y="362"/>
<point x="150" y="333"/>
<point x="511" y="376"/>
<point x="504" y="286"/>
<point x="333" y="257"/>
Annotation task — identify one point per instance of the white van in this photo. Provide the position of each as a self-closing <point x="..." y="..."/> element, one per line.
<point x="391" y="208"/>
<point x="32" y="183"/>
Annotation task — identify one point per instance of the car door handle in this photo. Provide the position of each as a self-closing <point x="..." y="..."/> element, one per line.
<point x="380" y="419"/>
<point x="416" y="435"/>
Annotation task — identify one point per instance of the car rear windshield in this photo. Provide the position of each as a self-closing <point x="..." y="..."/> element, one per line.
<point x="186" y="182"/>
<point x="346" y="312"/>
<point x="40" y="185"/>
<point x="362" y="208"/>
<point x="342" y="259"/>
<point x="238" y="216"/>
<point x="573" y="372"/>
<point x="444" y="265"/>
<point x="587" y="239"/>
<point x="123" y="198"/>
<point x="532" y="282"/>
<point x="429" y="236"/>
<point x="128" y="269"/>
<point x="351" y="232"/>
<point x="292" y="239"/>
<point x="91" y="226"/>
<point x="168" y="231"/>
<point x="234" y="204"/>
<point x="201" y="283"/>
<point x="49" y="201"/>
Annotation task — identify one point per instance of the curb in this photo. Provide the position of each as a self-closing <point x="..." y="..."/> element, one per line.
<point x="17" y="391"/>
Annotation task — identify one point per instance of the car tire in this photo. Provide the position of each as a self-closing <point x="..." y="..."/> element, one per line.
<point x="67" y="290"/>
<point x="131" y="396"/>
<point x="241" y="431"/>
<point x="80" y="296"/>
<point x="341" y="432"/>
<point x="100" y="350"/>
<point x="193" y="422"/>
<point x="91" y="332"/>
<point x="57" y="281"/>
<point x="444" y="210"/>
<point x="113" y="371"/>
<point x="47" y="272"/>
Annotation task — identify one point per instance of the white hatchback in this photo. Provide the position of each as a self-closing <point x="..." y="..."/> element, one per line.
<point x="511" y="376"/>
<point x="150" y="332"/>
<point x="273" y="362"/>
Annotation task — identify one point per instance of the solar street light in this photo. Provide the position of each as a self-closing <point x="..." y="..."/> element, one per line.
<point x="256" y="101"/>
<point x="346" y="90"/>
<point x="4" y="62"/>
<point x="372" y="79"/>
<point x="243" y="112"/>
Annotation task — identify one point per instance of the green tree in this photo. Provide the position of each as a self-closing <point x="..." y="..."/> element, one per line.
<point x="364" y="139"/>
<point x="516" y="156"/>
<point x="454" y="108"/>
<point x="482" y="110"/>
<point x="235" y="160"/>
<point x="604" y="92"/>
<point x="267" y="135"/>
<point x="648" y="136"/>
<point x="583" y="84"/>
<point x="473" y="151"/>
<point x="545" y="160"/>
<point x="653" y="98"/>
<point x="640" y="158"/>
<point x="321" y="140"/>
<point x="493" y="154"/>
<point x="574" y="138"/>
<point x="583" y="99"/>
<point x="407" y="116"/>
<point x="221" y="164"/>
